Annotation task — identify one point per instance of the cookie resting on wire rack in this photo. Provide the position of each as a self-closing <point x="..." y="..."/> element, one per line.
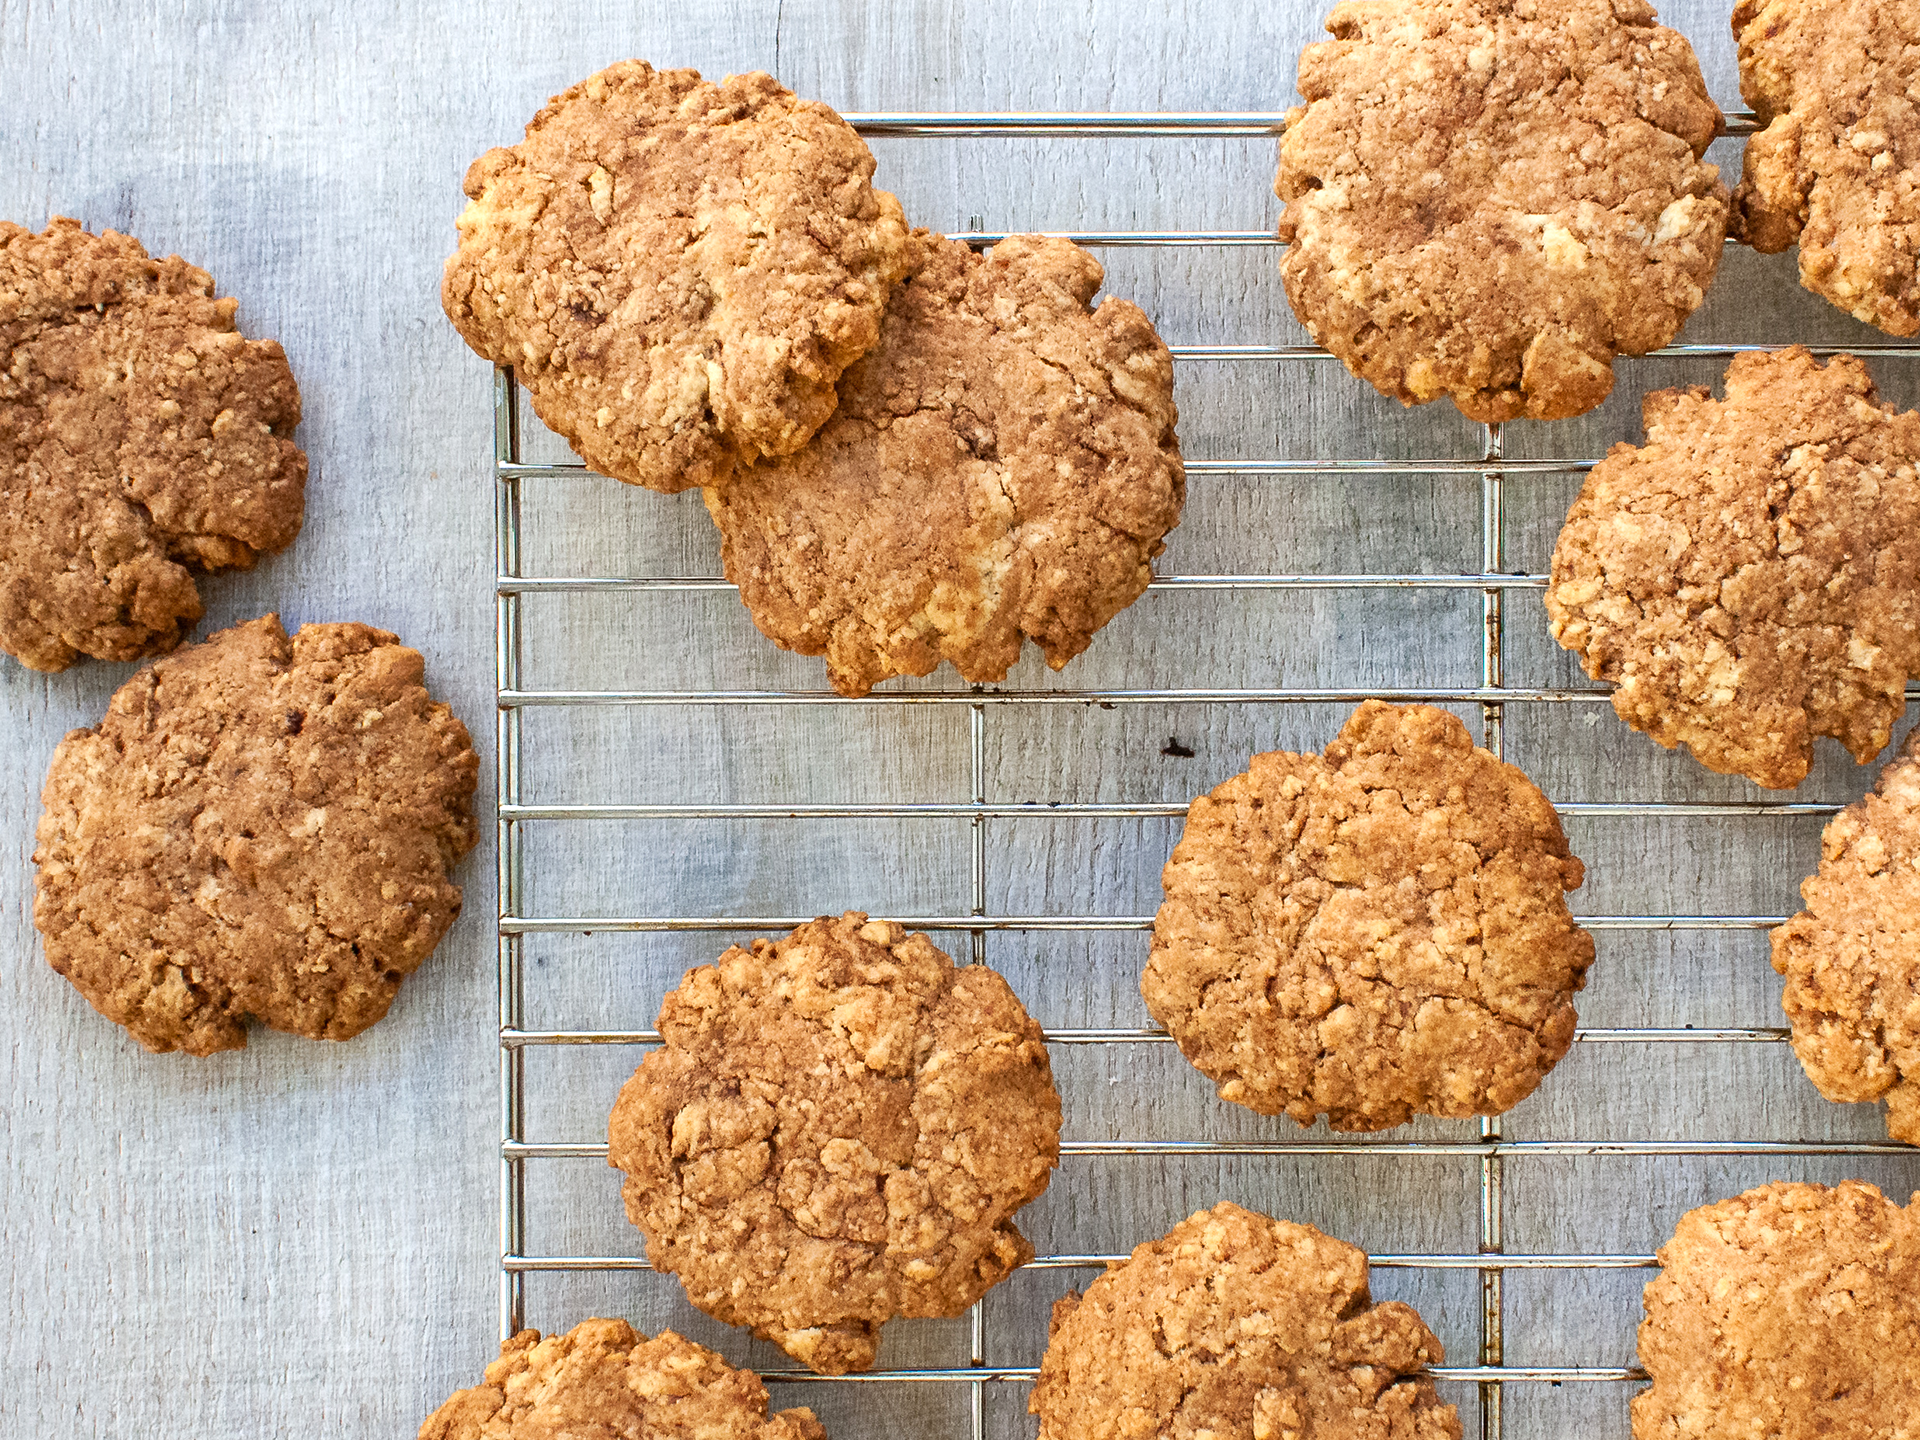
<point x="837" y="1129"/>
<point x="1373" y="933"/>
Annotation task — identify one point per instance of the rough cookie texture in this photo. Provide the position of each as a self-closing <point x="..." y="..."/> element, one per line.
<point x="1750" y="577"/>
<point x="1837" y="167"/>
<point x="259" y="826"/>
<point x="1852" y="957"/>
<point x="142" y="438"/>
<point x="1002" y="466"/>
<point x="837" y="1129"/>
<point x="1490" y="199"/>
<point x="1793" y="1312"/>
<point x="1233" y="1324"/>
<point x="1374" y="933"/>
<point x="677" y="271"/>
<point x="602" y="1380"/>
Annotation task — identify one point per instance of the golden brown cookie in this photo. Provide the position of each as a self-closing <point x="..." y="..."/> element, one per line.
<point x="1750" y="577"/>
<point x="1790" y="1312"/>
<point x="1491" y="199"/>
<point x="678" y="271"/>
<point x="1837" y="167"/>
<point x="1852" y="957"/>
<point x="603" y="1381"/>
<point x="1002" y="467"/>
<point x="142" y="439"/>
<point x="837" y="1129"/>
<point x="1233" y="1324"/>
<point x="259" y="826"/>
<point x="1374" y="933"/>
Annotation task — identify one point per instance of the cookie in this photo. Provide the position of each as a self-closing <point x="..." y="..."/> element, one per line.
<point x="1750" y="577"/>
<point x="1233" y="1324"/>
<point x="260" y="826"/>
<point x="1793" y="1312"/>
<point x="1837" y="164"/>
<point x="603" y="1379"/>
<point x="1852" y="957"/>
<point x="1002" y="467"/>
<point x="1491" y="199"/>
<point x="1372" y="933"/>
<point x="678" y="271"/>
<point x="837" y="1129"/>
<point x="142" y="440"/>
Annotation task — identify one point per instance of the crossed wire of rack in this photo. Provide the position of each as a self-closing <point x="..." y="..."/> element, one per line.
<point x="1492" y="695"/>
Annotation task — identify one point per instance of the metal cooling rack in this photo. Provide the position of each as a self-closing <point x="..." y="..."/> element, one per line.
<point x="1492" y="694"/>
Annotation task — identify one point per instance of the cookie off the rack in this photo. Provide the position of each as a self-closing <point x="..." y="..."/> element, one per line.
<point x="678" y="271"/>
<point x="837" y="1129"/>
<point x="260" y="826"/>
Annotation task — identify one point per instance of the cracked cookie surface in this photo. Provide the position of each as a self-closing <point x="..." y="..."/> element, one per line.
<point x="1234" y="1324"/>
<point x="1750" y="577"/>
<point x="1002" y="467"/>
<point x="678" y="271"/>
<point x="1852" y="956"/>
<point x="260" y="826"/>
<point x="603" y="1379"/>
<point x="837" y="1129"/>
<point x="1491" y="199"/>
<point x="1373" y="933"/>
<point x="1837" y="166"/>
<point x="1792" y="1311"/>
<point x="142" y="439"/>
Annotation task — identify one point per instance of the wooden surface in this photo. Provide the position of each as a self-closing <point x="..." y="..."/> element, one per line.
<point x="302" y="1237"/>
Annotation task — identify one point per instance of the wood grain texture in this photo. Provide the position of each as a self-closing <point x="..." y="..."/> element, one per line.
<point x="301" y="1238"/>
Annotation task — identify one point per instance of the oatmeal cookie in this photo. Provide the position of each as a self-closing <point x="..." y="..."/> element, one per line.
<point x="1852" y="957"/>
<point x="259" y="826"/>
<point x="1491" y="199"/>
<point x="1750" y="577"/>
<point x="142" y="439"/>
<point x="1233" y="1324"/>
<point x="1374" y="933"/>
<point x="678" y="271"/>
<point x="1002" y="467"/>
<point x="602" y="1379"/>
<point x="1793" y="1312"/>
<point x="837" y="1129"/>
<point x="1837" y="167"/>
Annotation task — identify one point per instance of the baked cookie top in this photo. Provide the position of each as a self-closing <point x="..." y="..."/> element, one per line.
<point x="1852" y="957"/>
<point x="1003" y="466"/>
<point x="1837" y="167"/>
<point x="259" y="826"/>
<point x="1750" y="577"/>
<point x="1792" y="1311"/>
<point x="1490" y="199"/>
<point x="1235" y="1324"/>
<point x="1372" y="933"/>
<point x="142" y="438"/>
<point x="678" y="271"/>
<point x="837" y="1129"/>
<point x="601" y="1378"/>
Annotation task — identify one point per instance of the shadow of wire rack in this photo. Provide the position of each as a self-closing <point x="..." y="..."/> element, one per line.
<point x="1487" y="1152"/>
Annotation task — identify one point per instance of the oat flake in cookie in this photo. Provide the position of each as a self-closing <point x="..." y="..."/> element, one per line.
<point x="678" y="271"/>
<point x="1790" y="1312"/>
<point x="1233" y="1324"/>
<point x="142" y="439"/>
<point x="260" y="826"/>
<point x="1003" y="467"/>
<point x="1491" y="199"/>
<point x="837" y="1129"/>
<point x="603" y="1380"/>
<point x="1750" y="577"/>
<point x="1373" y="933"/>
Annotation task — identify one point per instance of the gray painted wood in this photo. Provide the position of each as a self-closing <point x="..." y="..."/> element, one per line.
<point x="302" y="1237"/>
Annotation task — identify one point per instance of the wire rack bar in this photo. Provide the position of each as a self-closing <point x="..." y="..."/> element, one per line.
<point x="1094" y="125"/>
<point x="548" y="584"/>
<point x="1088" y="810"/>
<point x="560" y="1263"/>
<point x="637" y="924"/>
<point x="1143" y="1035"/>
<point x="1469" y="1149"/>
<point x="1026" y="1374"/>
